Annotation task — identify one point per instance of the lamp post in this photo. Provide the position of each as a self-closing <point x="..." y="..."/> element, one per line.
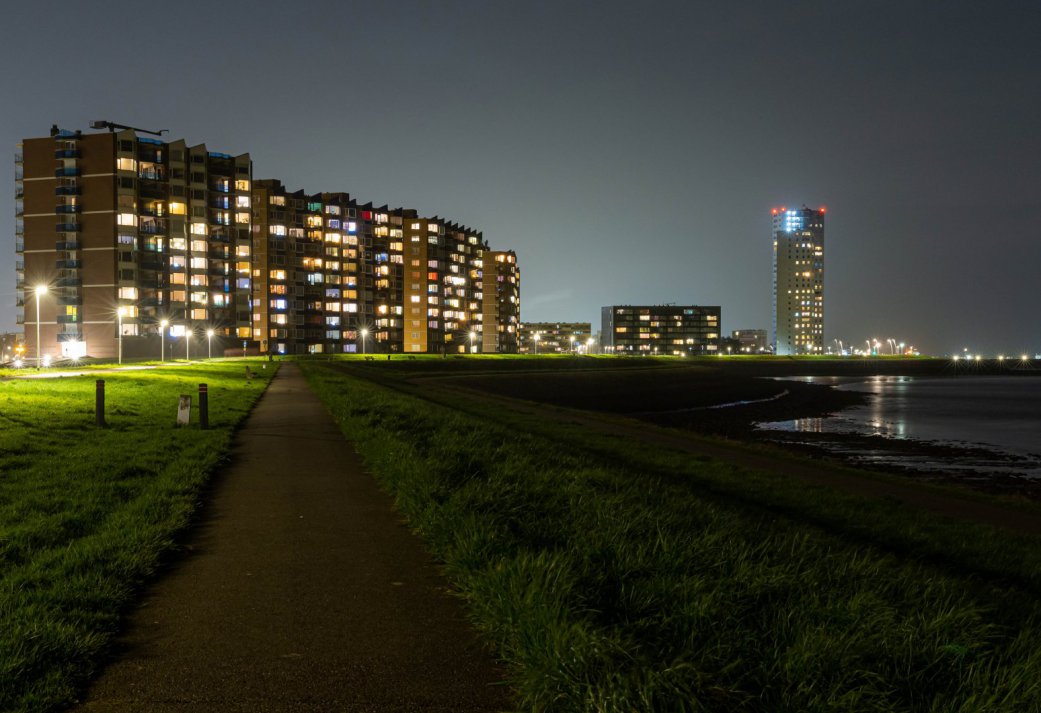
<point x="589" y="345"/>
<point x="472" y="335"/>
<point x="119" y="315"/>
<point x="364" y="334"/>
<point x="187" y="340"/>
<point x="40" y="291"/>
<point x="162" y="339"/>
<point x="572" y="345"/>
<point x="209" y="343"/>
<point x="535" y="338"/>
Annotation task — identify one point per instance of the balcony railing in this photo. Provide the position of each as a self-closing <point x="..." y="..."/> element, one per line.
<point x="68" y="282"/>
<point x="67" y="153"/>
<point x="68" y="264"/>
<point x="67" y="318"/>
<point x="68" y="227"/>
<point x="68" y="209"/>
<point x="66" y="245"/>
<point x="69" y="300"/>
<point x="67" y="191"/>
<point x="62" y="172"/>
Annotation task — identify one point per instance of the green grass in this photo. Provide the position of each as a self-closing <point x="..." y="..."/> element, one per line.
<point x="614" y="577"/>
<point x="87" y="513"/>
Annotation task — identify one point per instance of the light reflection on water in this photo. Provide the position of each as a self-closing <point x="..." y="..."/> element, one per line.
<point x="999" y="413"/>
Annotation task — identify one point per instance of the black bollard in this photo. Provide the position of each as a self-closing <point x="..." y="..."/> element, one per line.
<point x="204" y="407"/>
<point x="99" y="402"/>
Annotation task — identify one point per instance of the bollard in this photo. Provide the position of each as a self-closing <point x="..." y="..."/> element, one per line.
<point x="99" y="402"/>
<point x="204" y="406"/>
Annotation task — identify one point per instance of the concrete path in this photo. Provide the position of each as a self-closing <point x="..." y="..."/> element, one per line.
<point x="303" y="592"/>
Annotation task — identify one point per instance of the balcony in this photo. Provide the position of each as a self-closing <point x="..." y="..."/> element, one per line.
<point x="64" y="172"/>
<point x="67" y="191"/>
<point x="67" y="318"/>
<point x="66" y="245"/>
<point x="152" y="174"/>
<point x="68" y="264"/>
<point x="65" y="209"/>
<point x="68" y="227"/>
<point x="69" y="300"/>
<point x="154" y="226"/>
<point x="67" y="153"/>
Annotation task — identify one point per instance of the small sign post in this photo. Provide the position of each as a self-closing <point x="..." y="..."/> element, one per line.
<point x="184" y="409"/>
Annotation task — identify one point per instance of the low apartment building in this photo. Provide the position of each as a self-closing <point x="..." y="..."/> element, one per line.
<point x="554" y="337"/>
<point x="679" y="330"/>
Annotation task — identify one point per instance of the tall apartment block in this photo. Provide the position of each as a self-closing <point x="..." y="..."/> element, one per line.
<point x="333" y="276"/>
<point x="678" y="330"/>
<point x="554" y="337"/>
<point x="116" y="230"/>
<point x="798" y="284"/>
<point x="128" y="232"/>
<point x="501" y="301"/>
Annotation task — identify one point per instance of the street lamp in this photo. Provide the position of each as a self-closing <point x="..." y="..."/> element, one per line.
<point x="119" y="315"/>
<point x="589" y="345"/>
<point x="472" y="335"/>
<point x="364" y="334"/>
<point x="163" y="324"/>
<point x="572" y="345"/>
<point x="209" y="343"/>
<point x="40" y="291"/>
<point x="187" y="340"/>
<point x="535" y="338"/>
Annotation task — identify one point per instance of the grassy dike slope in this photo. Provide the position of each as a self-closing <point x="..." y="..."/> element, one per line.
<point x="612" y="580"/>
<point x="86" y="513"/>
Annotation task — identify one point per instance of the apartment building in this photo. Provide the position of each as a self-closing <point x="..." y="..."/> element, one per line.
<point x="121" y="236"/>
<point x="679" y="330"/>
<point x="798" y="284"/>
<point x="500" y="277"/>
<point x="554" y="337"/>
<point x="119" y="233"/>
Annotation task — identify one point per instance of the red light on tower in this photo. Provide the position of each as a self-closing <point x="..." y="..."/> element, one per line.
<point x="773" y="211"/>
<point x="823" y="210"/>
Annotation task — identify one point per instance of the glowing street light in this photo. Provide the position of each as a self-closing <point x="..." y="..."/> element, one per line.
<point x="472" y="336"/>
<point x="364" y="334"/>
<point x="572" y="344"/>
<point x="119" y="317"/>
<point x="209" y="343"/>
<point x="535" y="338"/>
<point x="589" y="345"/>
<point x="40" y="291"/>
<point x="187" y="340"/>
<point x="163" y="324"/>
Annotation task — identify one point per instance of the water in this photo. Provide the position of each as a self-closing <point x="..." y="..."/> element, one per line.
<point x="998" y="413"/>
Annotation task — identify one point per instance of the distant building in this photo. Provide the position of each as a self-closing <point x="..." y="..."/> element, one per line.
<point x="798" y="284"/>
<point x="554" y="337"/>
<point x="681" y="330"/>
<point x="500" y="301"/>
<point x="751" y="341"/>
<point x="9" y="343"/>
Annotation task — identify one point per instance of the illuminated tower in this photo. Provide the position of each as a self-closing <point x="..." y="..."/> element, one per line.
<point x="798" y="281"/>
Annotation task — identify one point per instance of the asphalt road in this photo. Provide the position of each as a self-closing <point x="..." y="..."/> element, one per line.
<point x="302" y="591"/>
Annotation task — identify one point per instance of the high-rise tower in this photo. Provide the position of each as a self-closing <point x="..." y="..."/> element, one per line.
<point x="798" y="281"/>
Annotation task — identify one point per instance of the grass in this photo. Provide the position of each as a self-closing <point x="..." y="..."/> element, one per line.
<point x="87" y="513"/>
<point x="613" y="577"/>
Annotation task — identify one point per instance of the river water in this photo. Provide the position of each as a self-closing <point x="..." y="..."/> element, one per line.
<point x="999" y="413"/>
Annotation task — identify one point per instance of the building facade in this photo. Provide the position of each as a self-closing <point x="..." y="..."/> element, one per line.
<point x="751" y="341"/>
<point x="118" y="233"/>
<point x="127" y="236"/>
<point x="679" y="330"/>
<point x="798" y="281"/>
<point x="500" y="287"/>
<point x="554" y="337"/>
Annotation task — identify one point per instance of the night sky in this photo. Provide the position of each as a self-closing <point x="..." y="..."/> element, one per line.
<point x="629" y="152"/>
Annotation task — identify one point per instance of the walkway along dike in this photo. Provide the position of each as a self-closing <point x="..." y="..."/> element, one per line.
<point x="302" y="591"/>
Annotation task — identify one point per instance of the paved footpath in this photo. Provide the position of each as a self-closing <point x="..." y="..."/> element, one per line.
<point x="302" y="592"/>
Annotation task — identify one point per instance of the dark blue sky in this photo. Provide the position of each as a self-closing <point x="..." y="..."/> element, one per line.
<point x="629" y="152"/>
